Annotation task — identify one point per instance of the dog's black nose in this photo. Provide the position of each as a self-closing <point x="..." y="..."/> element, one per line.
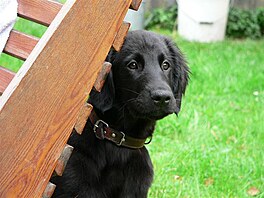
<point x="161" y="97"/>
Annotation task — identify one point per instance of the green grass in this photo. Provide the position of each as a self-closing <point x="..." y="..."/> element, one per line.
<point x="218" y="137"/>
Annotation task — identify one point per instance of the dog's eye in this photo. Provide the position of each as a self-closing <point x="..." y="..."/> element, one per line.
<point x="132" y="65"/>
<point x="165" y="65"/>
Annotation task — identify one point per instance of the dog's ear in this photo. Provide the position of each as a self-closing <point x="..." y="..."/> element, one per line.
<point x="180" y="72"/>
<point x="103" y="100"/>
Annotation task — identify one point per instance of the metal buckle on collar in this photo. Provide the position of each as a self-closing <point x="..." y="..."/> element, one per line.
<point x="100" y="125"/>
<point x="122" y="139"/>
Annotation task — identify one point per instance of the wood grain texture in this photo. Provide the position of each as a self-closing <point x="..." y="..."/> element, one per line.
<point x="39" y="108"/>
<point x="20" y="45"/>
<point x="121" y="35"/>
<point x="63" y="160"/>
<point x="83" y="117"/>
<point x="39" y="11"/>
<point x="48" y="192"/>
<point x="99" y="83"/>
<point x="135" y="4"/>
<point x="5" y="78"/>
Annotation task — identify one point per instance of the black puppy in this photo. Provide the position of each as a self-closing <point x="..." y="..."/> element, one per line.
<point x="147" y="81"/>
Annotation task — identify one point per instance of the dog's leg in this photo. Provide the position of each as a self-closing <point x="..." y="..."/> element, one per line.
<point x="138" y="175"/>
<point x="91" y="192"/>
<point x="135" y="190"/>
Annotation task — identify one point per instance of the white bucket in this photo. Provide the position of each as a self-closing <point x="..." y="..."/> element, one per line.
<point x="203" y="20"/>
<point x="136" y="18"/>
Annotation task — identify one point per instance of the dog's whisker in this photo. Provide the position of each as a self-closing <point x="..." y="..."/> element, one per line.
<point x="126" y="89"/>
<point x="123" y="106"/>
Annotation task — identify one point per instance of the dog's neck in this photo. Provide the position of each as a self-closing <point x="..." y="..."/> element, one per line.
<point x="125" y="122"/>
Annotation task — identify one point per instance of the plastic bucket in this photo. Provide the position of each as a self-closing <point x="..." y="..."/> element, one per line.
<point x="203" y="20"/>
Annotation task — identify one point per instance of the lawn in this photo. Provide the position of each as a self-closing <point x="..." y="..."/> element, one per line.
<point x="215" y="147"/>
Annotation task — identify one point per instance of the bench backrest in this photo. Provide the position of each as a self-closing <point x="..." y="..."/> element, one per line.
<point x="43" y="102"/>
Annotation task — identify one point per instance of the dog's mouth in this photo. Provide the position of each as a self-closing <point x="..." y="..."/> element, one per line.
<point x="149" y="111"/>
<point x="157" y="116"/>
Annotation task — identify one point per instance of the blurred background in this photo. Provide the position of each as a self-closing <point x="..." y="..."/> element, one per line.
<point x="236" y="18"/>
<point x="215" y="147"/>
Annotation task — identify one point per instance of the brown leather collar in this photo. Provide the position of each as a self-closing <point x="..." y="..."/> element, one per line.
<point x="103" y="131"/>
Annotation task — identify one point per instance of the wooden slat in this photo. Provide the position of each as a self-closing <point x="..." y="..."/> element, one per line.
<point x="40" y="11"/>
<point x="135" y="4"/>
<point x="83" y="117"/>
<point x="49" y="190"/>
<point x="5" y="78"/>
<point x="20" y="45"/>
<point x="44" y="11"/>
<point x="63" y="159"/>
<point x="120" y="37"/>
<point x="99" y="83"/>
<point x="41" y="105"/>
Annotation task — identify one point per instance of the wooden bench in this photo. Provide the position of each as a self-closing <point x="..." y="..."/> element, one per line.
<point x="46" y="99"/>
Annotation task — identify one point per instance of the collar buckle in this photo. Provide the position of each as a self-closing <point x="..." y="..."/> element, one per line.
<point x="122" y="139"/>
<point x="102" y="131"/>
<point x="99" y="129"/>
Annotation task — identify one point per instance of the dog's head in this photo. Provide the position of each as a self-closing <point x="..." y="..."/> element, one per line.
<point x="148" y="78"/>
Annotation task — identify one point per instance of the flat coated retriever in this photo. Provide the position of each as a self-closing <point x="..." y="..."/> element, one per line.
<point x="148" y="78"/>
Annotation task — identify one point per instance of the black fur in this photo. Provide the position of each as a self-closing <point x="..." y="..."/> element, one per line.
<point x="131" y="101"/>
